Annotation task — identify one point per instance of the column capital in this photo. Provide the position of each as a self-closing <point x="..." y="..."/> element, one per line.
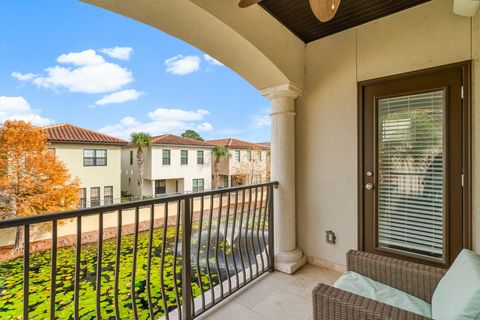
<point x="287" y="90"/>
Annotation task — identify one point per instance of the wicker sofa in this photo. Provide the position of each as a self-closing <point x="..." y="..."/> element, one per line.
<point x="419" y="280"/>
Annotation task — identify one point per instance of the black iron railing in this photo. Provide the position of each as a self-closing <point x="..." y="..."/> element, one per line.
<point x="173" y="257"/>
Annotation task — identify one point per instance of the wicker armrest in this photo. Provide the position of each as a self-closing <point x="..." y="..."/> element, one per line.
<point x="416" y="279"/>
<point x="330" y="303"/>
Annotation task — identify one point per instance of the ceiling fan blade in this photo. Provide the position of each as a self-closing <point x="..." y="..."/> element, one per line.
<point x="247" y="3"/>
<point x="324" y="10"/>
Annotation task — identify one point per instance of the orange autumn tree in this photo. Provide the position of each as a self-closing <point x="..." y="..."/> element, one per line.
<point x="32" y="179"/>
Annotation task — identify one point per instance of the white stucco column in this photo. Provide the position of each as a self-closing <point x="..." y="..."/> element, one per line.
<point x="288" y="257"/>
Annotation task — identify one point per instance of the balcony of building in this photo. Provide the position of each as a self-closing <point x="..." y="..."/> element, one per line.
<point x="374" y="147"/>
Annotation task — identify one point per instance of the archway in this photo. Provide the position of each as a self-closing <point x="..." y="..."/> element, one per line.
<point x="266" y="56"/>
<point x="263" y="52"/>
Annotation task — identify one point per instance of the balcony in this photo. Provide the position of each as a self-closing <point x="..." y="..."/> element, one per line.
<point x="130" y="260"/>
<point x="334" y="97"/>
<point x="276" y="296"/>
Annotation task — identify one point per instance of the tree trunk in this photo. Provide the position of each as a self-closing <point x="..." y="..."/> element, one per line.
<point x="140" y="163"/>
<point x="19" y="239"/>
<point x="19" y="232"/>
<point x="10" y="202"/>
<point x="215" y="166"/>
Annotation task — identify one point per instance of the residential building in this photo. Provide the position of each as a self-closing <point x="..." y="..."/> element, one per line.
<point x="329" y="84"/>
<point x="269" y="163"/>
<point x="247" y="163"/>
<point x="375" y="147"/>
<point x="91" y="156"/>
<point x="173" y="164"/>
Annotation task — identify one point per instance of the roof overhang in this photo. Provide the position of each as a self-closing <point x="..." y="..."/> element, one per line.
<point x="298" y="17"/>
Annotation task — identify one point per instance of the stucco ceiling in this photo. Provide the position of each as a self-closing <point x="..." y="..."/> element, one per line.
<point x="297" y="16"/>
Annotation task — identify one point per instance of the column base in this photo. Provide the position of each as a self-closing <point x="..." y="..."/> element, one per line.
<point x="289" y="261"/>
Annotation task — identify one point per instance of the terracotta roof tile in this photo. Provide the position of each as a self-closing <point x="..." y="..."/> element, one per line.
<point x="171" y="139"/>
<point x="233" y="143"/>
<point x="72" y="134"/>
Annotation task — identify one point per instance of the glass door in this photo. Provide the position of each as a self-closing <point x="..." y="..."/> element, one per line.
<point x="410" y="166"/>
<point x="414" y="167"/>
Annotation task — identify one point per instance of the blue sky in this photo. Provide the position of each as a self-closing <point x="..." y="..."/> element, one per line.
<point x="66" y="61"/>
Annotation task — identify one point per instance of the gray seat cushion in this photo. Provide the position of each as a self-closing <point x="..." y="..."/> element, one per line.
<point x="363" y="286"/>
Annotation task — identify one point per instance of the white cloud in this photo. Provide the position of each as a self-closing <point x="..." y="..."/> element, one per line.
<point x="205" y="126"/>
<point x="165" y="114"/>
<point x="119" y="97"/>
<point x="17" y="108"/>
<point x="211" y="60"/>
<point x="90" y="74"/>
<point x="261" y="121"/>
<point x="161" y="120"/>
<point x="121" y="53"/>
<point x="181" y="65"/>
<point x="24" y="77"/>
<point x="105" y="77"/>
<point x="83" y="58"/>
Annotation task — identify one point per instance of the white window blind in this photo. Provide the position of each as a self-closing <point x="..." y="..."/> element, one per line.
<point x="410" y="173"/>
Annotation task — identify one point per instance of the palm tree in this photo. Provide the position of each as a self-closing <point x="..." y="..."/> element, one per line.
<point x="219" y="153"/>
<point x="141" y="140"/>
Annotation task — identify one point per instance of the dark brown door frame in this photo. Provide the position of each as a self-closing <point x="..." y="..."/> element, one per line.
<point x="465" y="67"/>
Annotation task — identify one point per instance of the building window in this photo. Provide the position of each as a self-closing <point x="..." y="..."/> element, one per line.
<point x="52" y="150"/>
<point x="198" y="185"/>
<point x="108" y="195"/>
<point x="95" y="196"/>
<point x="257" y="178"/>
<point x="259" y="155"/>
<point x="83" y="198"/>
<point x="184" y="157"/>
<point x="160" y="187"/>
<point x="200" y="157"/>
<point x="176" y="186"/>
<point x="249" y="155"/>
<point x="166" y="157"/>
<point x="131" y="157"/>
<point x="225" y="181"/>
<point x="237" y="155"/>
<point x="94" y="157"/>
<point x="129" y="181"/>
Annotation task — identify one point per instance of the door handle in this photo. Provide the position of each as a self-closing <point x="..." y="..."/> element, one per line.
<point x="369" y="186"/>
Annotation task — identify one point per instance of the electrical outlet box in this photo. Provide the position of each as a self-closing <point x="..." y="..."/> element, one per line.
<point x="330" y="237"/>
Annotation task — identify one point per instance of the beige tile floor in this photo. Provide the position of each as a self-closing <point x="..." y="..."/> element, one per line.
<point x="275" y="296"/>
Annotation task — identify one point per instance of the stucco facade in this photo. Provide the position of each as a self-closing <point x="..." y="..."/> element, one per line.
<point x="426" y="36"/>
<point x="245" y="164"/>
<point x="72" y="155"/>
<point x="179" y="177"/>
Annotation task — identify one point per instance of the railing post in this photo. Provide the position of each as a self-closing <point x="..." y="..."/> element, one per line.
<point x="271" y="238"/>
<point x="186" y="263"/>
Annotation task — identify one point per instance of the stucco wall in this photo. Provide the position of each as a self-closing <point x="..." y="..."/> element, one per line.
<point x="476" y="130"/>
<point x="130" y="172"/>
<point x="178" y="171"/>
<point x="326" y="124"/>
<point x="155" y="170"/>
<point x="245" y="166"/>
<point x="92" y="176"/>
<point x="229" y="166"/>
